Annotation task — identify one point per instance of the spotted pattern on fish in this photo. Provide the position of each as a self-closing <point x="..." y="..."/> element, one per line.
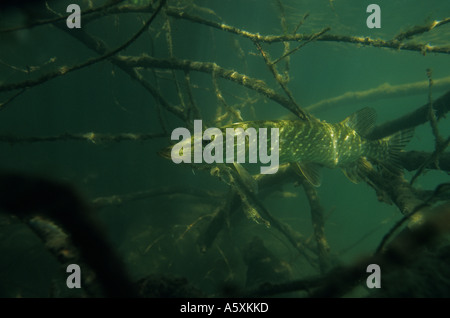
<point x="333" y="145"/>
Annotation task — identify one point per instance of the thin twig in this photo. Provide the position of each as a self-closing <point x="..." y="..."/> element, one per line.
<point x="420" y="29"/>
<point x="117" y="200"/>
<point x="412" y="119"/>
<point x="234" y="112"/>
<point x="65" y="69"/>
<point x="34" y="24"/>
<point x="394" y="189"/>
<point x="383" y="91"/>
<point x="426" y="203"/>
<point x="208" y="67"/>
<point x="285" y="44"/>
<point x="318" y="225"/>
<point x="26" y="196"/>
<point x="365" y="41"/>
<point x="440" y="144"/>
<point x="313" y="38"/>
<point x="100" y="47"/>
<point x="412" y="160"/>
<point x="193" y="110"/>
<point x="90" y="137"/>
<point x="300" y="23"/>
<point x="260" y="214"/>
<point x="9" y="100"/>
<point x="431" y="114"/>
<point x="279" y="79"/>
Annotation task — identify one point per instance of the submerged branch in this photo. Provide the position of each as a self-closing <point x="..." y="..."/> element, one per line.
<point x="26" y="197"/>
<point x="115" y="200"/>
<point x="281" y="81"/>
<point x="212" y="68"/>
<point x="241" y="196"/>
<point x="85" y="13"/>
<point x="434" y="158"/>
<point x="60" y="245"/>
<point x="443" y="188"/>
<point x="193" y="110"/>
<point x="395" y="189"/>
<point x="383" y="91"/>
<point x="3" y="105"/>
<point x="366" y="41"/>
<point x="91" y="137"/>
<point x="415" y="118"/>
<point x="235" y="114"/>
<point x="404" y="250"/>
<point x="318" y="223"/>
<point x="420" y="29"/>
<point x="220" y="218"/>
<point x="440" y="143"/>
<point x="65" y="69"/>
<point x="413" y="160"/>
<point x="313" y="38"/>
<point x="100" y="47"/>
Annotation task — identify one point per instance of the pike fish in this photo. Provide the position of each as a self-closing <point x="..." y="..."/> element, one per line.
<point x="313" y="144"/>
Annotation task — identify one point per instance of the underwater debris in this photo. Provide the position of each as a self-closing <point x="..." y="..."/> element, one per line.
<point x="415" y="118"/>
<point x="26" y="196"/>
<point x="440" y="144"/>
<point x="220" y="218"/>
<point x="417" y="255"/>
<point x="394" y="189"/>
<point x="166" y="286"/>
<point x="243" y="193"/>
<point x="115" y="200"/>
<point x="317" y="218"/>
<point x="262" y="265"/>
<point x="416" y="216"/>
<point x="407" y="250"/>
<point x="419" y="29"/>
<point x="39" y="22"/>
<point x="89" y="137"/>
<point x="258" y="85"/>
<point x="428" y="276"/>
<point x="60" y="245"/>
<point x="412" y="160"/>
<point x="66" y="69"/>
<point x="384" y="91"/>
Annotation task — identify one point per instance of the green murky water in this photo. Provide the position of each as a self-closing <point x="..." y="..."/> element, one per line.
<point x="162" y="229"/>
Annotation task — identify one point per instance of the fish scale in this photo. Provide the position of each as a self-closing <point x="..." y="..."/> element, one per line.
<point x="316" y="143"/>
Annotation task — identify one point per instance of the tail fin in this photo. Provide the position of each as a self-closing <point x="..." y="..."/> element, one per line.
<point x="396" y="143"/>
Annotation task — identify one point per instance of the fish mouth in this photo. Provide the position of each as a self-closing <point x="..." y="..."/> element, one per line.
<point x="166" y="153"/>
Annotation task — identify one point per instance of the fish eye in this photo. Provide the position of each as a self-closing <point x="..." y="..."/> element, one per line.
<point x="206" y="142"/>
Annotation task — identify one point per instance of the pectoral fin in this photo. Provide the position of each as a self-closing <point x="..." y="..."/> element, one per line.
<point x="310" y="171"/>
<point x="357" y="172"/>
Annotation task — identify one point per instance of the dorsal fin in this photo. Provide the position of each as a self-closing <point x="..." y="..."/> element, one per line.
<point x="310" y="171"/>
<point x="362" y="121"/>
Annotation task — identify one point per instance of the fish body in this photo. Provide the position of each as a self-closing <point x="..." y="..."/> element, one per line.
<point x="330" y="145"/>
<point x="313" y="143"/>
